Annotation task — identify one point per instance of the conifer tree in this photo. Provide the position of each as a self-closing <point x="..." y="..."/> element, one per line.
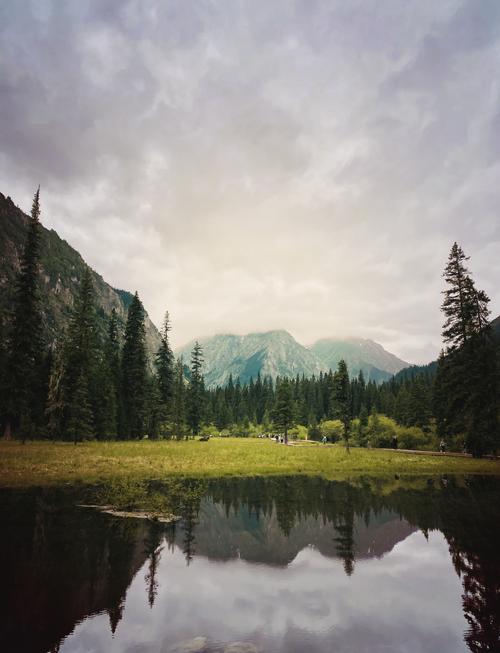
<point x="284" y="408"/>
<point x="109" y="408"/>
<point x="466" y="385"/>
<point x="342" y="399"/>
<point x="55" y="398"/>
<point x="134" y="371"/>
<point x="196" y="393"/>
<point x="80" y="418"/>
<point x="81" y="365"/>
<point x="459" y="300"/>
<point x="164" y="364"/>
<point x="26" y="341"/>
<point x="179" y="401"/>
<point x="160" y="397"/>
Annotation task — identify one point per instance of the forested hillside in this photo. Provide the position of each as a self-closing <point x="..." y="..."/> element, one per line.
<point x="61" y="273"/>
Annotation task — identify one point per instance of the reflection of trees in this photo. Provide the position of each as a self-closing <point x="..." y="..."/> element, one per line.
<point x="62" y="564"/>
<point x="345" y="531"/>
<point x="153" y="550"/>
<point x="189" y="507"/>
<point x="466" y="512"/>
<point x="474" y="541"/>
<point x="481" y="603"/>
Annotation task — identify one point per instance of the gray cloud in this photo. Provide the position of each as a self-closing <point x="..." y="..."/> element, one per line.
<point x="260" y="165"/>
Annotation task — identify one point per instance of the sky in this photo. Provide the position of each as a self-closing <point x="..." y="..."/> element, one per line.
<point x="251" y="165"/>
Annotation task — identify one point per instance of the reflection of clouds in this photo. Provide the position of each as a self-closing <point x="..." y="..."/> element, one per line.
<point x="407" y="601"/>
<point x="236" y="157"/>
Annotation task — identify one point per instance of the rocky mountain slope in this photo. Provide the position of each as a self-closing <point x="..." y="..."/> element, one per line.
<point x="273" y="353"/>
<point x="61" y="270"/>
<point x="277" y="353"/>
<point x="359" y="354"/>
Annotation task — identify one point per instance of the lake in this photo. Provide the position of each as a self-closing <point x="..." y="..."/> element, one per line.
<point x="276" y="565"/>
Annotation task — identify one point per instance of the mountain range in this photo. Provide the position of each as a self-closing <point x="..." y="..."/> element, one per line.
<point x="277" y="353"/>
<point x="271" y="353"/>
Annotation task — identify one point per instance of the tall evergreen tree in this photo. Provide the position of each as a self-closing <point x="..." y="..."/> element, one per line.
<point x="106" y="393"/>
<point x="134" y="371"/>
<point x="459" y="303"/>
<point x="483" y="430"/>
<point x="179" y="401"/>
<point x="196" y="393"/>
<point x="284" y="408"/>
<point x="164" y="363"/>
<point x="466" y="386"/>
<point x="26" y="341"/>
<point x="81" y="390"/>
<point x="342" y="399"/>
<point x="55" y="398"/>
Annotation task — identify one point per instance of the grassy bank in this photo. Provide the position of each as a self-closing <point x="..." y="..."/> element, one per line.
<point x="40" y="463"/>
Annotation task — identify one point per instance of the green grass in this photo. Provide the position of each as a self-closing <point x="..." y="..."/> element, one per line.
<point x="43" y="463"/>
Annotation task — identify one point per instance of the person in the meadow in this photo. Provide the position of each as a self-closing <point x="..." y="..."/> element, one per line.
<point x="442" y="446"/>
<point x="324" y="439"/>
<point x="394" y="442"/>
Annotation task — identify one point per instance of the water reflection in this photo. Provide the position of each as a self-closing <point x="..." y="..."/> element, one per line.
<point x="286" y="564"/>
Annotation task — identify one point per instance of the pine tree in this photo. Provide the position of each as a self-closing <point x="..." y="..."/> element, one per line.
<point x="164" y="364"/>
<point x="466" y="385"/>
<point x="284" y="408"/>
<point x="179" y="401"/>
<point x="196" y="393"/>
<point x="80" y="424"/>
<point x="26" y="341"/>
<point x="342" y="399"/>
<point x="483" y="432"/>
<point x="81" y="365"/>
<point x="108" y="413"/>
<point x="55" y="398"/>
<point x="459" y="301"/>
<point x="134" y="372"/>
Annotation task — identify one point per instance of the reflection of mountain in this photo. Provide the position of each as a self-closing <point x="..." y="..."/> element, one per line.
<point x="62" y="564"/>
<point x="261" y="539"/>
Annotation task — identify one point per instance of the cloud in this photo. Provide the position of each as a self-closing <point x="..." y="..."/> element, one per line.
<point x="262" y="165"/>
<point x="309" y="605"/>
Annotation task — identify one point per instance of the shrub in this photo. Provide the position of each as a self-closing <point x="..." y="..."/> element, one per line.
<point x="332" y="428"/>
<point x="380" y="430"/>
<point x="412" y="437"/>
<point x="298" y="432"/>
<point x="209" y="429"/>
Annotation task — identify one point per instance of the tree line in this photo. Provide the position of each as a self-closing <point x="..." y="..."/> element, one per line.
<point x="91" y="386"/>
<point x="84" y="385"/>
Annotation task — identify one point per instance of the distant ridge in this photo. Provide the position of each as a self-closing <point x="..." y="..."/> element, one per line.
<point x="277" y="353"/>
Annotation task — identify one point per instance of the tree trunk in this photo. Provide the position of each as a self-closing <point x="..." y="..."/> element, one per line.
<point x="7" y="432"/>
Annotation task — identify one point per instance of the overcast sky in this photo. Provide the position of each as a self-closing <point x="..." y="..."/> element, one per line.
<point x="252" y="165"/>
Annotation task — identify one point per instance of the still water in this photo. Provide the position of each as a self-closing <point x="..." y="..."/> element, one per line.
<point x="279" y="565"/>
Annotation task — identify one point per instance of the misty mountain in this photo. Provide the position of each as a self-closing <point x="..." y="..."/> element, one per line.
<point x="359" y="354"/>
<point x="61" y="271"/>
<point x="277" y="353"/>
<point x="273" y="353"/>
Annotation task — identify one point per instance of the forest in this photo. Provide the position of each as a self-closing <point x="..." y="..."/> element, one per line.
<point x="84" y="386"/>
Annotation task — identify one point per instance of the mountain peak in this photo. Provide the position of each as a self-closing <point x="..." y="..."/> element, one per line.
<point x="277" y="353"/>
